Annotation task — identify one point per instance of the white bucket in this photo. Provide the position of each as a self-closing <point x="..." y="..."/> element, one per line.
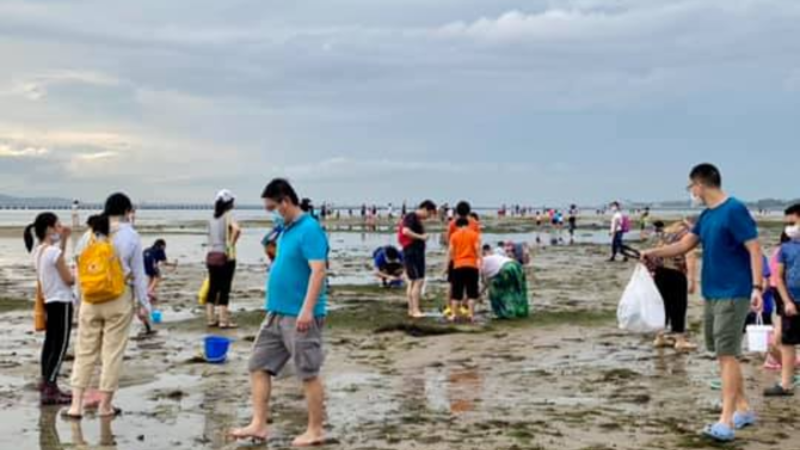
<point x="759" y="336"/>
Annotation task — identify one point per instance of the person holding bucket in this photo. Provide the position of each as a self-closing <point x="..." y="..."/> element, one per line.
<point x="788" y="300"/>
<point x="54" y="285"/>
<point x="732" y="281"/>
<point x="296" y="309"/>
<point x="110" y="274"/>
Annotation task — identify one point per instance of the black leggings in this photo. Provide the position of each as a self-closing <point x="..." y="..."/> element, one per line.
<point x="56" y="339"/>
<point x="220" y="283"/>
<point x="674" y="288"/>
<point x="617" y="243"/>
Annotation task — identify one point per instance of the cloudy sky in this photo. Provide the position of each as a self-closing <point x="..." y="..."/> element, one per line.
<point x="383" y="100"/>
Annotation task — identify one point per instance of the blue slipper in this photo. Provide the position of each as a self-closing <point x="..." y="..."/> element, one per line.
<point x="744" y="420"/>
<point x="719" y="432"/>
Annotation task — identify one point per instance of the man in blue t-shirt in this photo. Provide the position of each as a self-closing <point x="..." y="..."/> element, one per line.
<point x="732" y="284"/>
<point x="296" y="309"/>
<point x="788" y="300"/>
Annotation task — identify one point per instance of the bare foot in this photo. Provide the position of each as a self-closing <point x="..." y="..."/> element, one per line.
<point x="105" y="412"/>
<point x="309" y="439"/>
<point x="685" y="346"/>
<point x="253" y="432"/>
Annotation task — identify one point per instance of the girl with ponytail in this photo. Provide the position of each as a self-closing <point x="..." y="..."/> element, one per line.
<point x="55" y="281"/>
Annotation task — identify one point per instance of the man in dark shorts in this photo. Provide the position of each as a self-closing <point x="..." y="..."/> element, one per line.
<point x="732" y="286"/>
<point x="412" y="238"/>
<point x="296" y="309"/>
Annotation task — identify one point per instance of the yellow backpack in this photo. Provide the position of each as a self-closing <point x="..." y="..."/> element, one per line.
<point x="100" y="272"/>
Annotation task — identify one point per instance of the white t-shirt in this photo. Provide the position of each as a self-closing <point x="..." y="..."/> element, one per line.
<point x="53" y="286"/>
<point x="492" y="265"/>
<point x="616" y="222"/>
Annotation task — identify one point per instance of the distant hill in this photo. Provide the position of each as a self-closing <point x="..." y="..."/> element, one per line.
<point x="772" y="204"/>
<point x="33" y="202"/>
<point x="766" y="204"/>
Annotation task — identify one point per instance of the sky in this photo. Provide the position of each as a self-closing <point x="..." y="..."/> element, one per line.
<point x="537" y="102"/>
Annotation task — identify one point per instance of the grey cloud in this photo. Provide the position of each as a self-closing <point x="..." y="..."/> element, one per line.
<point x="241" y="90"/>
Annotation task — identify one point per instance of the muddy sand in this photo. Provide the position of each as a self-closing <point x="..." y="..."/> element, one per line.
<point x="565" y="379"/>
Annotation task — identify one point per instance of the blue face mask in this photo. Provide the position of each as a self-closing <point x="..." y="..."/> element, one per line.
<point x="277" y="219"/>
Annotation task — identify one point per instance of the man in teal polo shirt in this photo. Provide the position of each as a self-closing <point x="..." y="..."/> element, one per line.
<point x="732" y="287"/>
<point x="296" y="308"/>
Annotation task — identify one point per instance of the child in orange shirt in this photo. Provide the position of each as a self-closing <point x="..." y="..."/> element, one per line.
<point x="465" y="253"/>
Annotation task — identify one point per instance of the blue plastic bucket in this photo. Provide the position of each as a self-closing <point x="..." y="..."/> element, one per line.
<point x="217" y="349"/>
<point x="157" y="316"/>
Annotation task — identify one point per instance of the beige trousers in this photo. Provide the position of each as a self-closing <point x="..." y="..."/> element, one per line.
<point x="103" y="332"/>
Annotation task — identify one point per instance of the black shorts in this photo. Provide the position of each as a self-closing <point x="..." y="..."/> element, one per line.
<point x="465" y="283"/>
<point x="450" y="272"/>
<point x="153" y="273"/>
<point x="790" y="326"/>
<point x="415" y="265"/>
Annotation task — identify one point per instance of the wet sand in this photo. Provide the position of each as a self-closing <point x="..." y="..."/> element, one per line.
<point x="564" y="379"/>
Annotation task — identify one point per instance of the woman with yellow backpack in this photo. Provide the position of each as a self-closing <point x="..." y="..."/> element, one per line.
<point x="110" y="275"/>
<point x="54" y="282"/>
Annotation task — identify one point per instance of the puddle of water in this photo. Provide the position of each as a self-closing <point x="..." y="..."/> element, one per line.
<point x="351" y="253"/>
<point x="371" y="392"/>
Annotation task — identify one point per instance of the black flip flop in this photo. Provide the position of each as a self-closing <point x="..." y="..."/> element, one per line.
<point x="116" y="412"/>
<point x="71" y="417"/>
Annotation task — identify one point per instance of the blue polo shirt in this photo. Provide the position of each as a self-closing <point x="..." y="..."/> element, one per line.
<point x="723" y="231"/>
<point x="790" y="258"/>
<point x="301" y="242"/>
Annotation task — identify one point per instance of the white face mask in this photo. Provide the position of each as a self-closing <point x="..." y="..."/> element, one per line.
<point x="696" y="201"/>
<point x="55" y="238"/>
<point x="793" y="231"/>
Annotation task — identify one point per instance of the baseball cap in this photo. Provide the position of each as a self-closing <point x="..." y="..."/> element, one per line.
<point x="225" y="196"/>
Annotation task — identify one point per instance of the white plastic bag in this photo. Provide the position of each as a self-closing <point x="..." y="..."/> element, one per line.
<point x="759" y="336"/>
<point x="641" y="309"/>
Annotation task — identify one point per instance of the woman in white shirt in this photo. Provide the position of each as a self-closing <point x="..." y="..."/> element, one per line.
<point x="504" y="278"/>
<point x="55" y="281"/>
<point x="223" y="234"/>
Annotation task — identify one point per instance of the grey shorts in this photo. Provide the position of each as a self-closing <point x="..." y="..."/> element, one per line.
<point x="724" y="322"/>
<point x="278" y="341"/>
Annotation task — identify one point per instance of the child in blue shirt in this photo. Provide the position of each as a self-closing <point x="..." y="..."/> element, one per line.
<point x="789" y="303"/>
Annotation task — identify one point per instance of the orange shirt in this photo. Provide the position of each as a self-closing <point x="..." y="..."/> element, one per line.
<point x="474" y="225"/>
<point x="465" y="248"/>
